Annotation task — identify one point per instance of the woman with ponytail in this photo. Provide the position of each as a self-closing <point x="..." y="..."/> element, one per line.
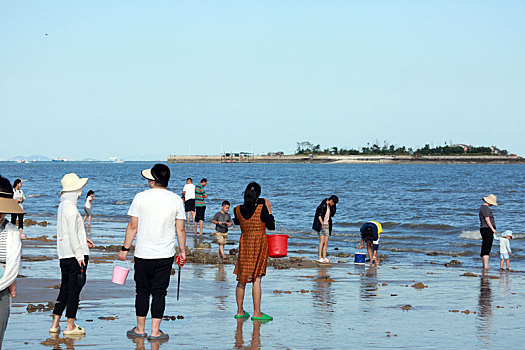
<point x="254" y="217"/>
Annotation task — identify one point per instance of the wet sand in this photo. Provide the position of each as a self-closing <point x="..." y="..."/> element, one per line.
<point x="328" y="307"/>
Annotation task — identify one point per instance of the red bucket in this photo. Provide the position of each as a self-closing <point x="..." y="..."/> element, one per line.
<point x="277" y="246"/>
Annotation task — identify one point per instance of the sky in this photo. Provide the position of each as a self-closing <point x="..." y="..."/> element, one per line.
<point x="143" y="80"/>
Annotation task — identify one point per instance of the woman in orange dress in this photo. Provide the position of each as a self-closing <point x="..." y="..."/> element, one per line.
<point x="254" y="217"/>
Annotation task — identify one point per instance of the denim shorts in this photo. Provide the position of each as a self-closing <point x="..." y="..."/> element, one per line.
<point x="504" y="255"/>
<point x="323" y="232"/>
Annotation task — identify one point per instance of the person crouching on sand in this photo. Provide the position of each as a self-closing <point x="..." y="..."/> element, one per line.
<point x="254" y="217"/>
<point x="370" y="233"/>
<point x="155" y="214"/>
<point x="73" y="252"/>
<point x="323" y="224"/>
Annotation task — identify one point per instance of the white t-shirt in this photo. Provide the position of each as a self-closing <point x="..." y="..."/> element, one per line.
<point x="189" y="191"/>
<point x="157" y="209"/>
<point x="89" y="199"/>
<point x="19" y="194"/>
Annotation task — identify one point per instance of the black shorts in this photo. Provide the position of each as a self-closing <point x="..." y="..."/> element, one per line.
<point x="20" y="220"/>
<point x="199" y="213"/>
<point x="189" y="205"/>
<point x="488" y="238"/>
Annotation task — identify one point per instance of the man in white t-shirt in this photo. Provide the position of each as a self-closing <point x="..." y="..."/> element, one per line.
<point x="155" y="214"/>
<point x="188" y="195"/>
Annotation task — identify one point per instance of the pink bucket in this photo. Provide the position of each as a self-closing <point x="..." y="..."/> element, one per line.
<point x="120" y="274"/>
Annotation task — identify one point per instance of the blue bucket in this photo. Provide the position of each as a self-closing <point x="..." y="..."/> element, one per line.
<point x="359" y="258"/>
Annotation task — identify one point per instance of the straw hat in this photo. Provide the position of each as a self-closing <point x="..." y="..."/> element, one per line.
<point x="491" y="199"/>
<point x="8" y="205"/>
<point x="71" y="182"/>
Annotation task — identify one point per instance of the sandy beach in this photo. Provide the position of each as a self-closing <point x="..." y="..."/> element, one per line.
<point x="419" y="306"/>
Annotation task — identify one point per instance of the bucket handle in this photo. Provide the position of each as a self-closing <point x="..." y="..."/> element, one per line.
<point x="127" y="262"/>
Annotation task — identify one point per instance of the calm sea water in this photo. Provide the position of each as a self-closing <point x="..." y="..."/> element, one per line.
<point x="425" y="209"/>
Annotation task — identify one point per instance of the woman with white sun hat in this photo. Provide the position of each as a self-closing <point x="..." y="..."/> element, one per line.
<point x="73" y="252"/>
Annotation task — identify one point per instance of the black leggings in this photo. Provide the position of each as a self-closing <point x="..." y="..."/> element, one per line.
<point x="69" y="289"/>
<point x="20" y="220"/>
<point x="152" y="277"/>
<point x="488" y="238"/>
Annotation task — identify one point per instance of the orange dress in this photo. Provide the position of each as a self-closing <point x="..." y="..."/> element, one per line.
<point x="253" y="247"/>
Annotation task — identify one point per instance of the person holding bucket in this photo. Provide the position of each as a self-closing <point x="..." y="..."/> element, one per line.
<point x="73" y="252"/>
<point x="10" y="251"/>
<point x="154" y="215"/>
<point x="370" y="233"/>
<point x="323" y="224"/>
<point x="254" y="217"/>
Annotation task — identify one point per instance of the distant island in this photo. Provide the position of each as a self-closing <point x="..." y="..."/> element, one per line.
<point x="307" y="152"/>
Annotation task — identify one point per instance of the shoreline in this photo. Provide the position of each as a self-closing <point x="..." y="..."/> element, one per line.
<point x="357" y="159"/>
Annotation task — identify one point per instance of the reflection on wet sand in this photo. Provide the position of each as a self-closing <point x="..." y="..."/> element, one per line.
<point x="368" y="284"/>
<point x="484" y="324"/>
<point x="504" y="283"/>
<point x="67" y="342"/>
<point x="324" y="298"/>
<point x="255" y="342"/>
<point x="140" y="344"/>
<point x="221" y="277"/>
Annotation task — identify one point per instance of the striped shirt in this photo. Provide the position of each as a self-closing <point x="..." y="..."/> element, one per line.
<point x="3" y="243"/>
<point x="199" y="196"/>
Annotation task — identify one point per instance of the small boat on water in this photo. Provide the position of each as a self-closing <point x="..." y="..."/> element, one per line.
<point x="115" y="160"/>
<point x="59" y="159"/>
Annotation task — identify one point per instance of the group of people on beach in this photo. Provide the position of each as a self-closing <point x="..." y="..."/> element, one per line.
<point x="157" y="222"/>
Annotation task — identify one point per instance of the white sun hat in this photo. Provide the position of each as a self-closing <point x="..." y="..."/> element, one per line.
<point x="71" y="182"/>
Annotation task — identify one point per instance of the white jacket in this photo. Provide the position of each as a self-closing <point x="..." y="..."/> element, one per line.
<point x="14" y="250"/>
<point x="71" y="234"/>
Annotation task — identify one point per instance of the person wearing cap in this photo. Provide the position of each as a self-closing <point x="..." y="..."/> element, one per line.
<point x="487" y="227"/>
<point x="370" y="233"/>
<point x="154" y="215"/>
<point x="504" y="248"/>
<point x="73" y="252"/>
<point x="10" y="251"/>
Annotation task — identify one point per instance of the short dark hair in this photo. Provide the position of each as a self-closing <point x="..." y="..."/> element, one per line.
<point x="204" y="180"/>
<point x="17" y="181"/>
<point x="189" y="178"/>
<point x="6" y="188"/>
<point x="225" y="203"/>
<point x="90" y="192"/>
<point x="334" y="199"/>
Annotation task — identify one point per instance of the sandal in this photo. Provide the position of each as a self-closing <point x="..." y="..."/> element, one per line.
<point x="76" y="331"/>
<point x="162" y="336"/>
<point x="132" y="334"/>
<point x="245" y="315"/>
<point x="264" y="317"/>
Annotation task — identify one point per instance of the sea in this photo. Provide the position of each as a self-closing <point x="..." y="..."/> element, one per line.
<point x="429" y="212"/>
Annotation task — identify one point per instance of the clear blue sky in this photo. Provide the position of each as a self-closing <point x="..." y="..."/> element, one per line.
<point x="147" y="79"/>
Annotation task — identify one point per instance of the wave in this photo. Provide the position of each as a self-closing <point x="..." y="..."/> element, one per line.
<point x="37" y="195"/>
<point x="122" y="202"/>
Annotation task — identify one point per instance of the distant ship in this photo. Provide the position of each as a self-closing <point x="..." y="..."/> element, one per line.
<point x="115" y="160"/>
<point x="59" y="159"/>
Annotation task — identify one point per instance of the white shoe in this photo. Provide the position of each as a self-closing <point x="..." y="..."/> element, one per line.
<point x="320" y="260"/>
<point x="54" y="330"/>
<point x="76" y="331"/>
<point x="325" y="260"/>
